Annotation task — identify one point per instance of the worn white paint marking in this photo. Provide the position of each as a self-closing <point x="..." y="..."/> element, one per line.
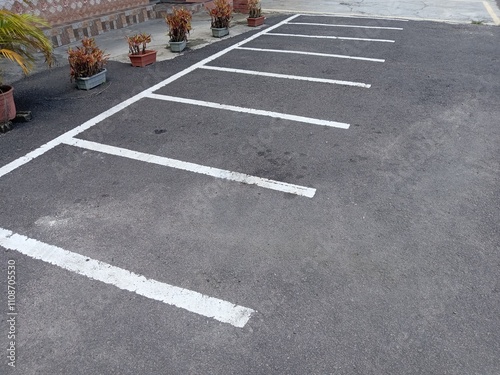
<point x="312" y="54"/>
<point x="253" y="111"/>
<point x="195" y="302"/>
<point x="286" y="76"/>
<point x="492" y="13"/>
<point x="360" y="17"/>
<point x="331" y="37"/>
<point x="352" y="26"/>
<point x="311" y="13"/>
<point x="196" y="168"/>
<point x="97" y="119"/>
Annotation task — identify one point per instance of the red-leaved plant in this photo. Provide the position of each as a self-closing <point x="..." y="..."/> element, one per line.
<point x="87" y="60"/>
<point x="137" y="43"/>
<point x="254" y="9"/>
<point x="179" y="24"/>
<point x="221" y="14"/>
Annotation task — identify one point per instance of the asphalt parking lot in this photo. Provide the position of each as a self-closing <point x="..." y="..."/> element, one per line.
<point x="316" y="197"/>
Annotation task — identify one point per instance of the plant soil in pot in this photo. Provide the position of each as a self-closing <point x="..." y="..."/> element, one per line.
<point x="7" y="105"/>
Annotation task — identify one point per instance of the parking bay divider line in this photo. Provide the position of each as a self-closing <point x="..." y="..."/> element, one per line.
<point x="220" y="310"/>
<point x="253" y="111"/>
<point x="286" y="76"/>
<point x="331" y="37"/>
<point x="312" y="54"/>
<point x="192" y="167"/>
<point x="13" y="165"/>
<point x="351" y="26"/>
<point x="489" y="9"/>
<point x="308" y="13"/>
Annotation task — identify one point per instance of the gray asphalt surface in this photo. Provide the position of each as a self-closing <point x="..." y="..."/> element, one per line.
<point x="392" y="268"/>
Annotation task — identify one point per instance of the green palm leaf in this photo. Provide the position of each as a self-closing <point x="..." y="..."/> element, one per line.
<point x="21" y="36"/>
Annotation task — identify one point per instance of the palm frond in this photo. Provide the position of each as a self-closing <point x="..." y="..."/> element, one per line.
<point x="21" y="36"/>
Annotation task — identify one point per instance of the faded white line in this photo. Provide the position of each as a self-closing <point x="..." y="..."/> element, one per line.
<point x="195" y="302"/>
<point x="195" y="168"/>
<point x="286" y="76"/>
<point x="331" y="37"/>
<point x="334" y="15"/>
<point x="95" y="120"/>
<point x="253" y="111"/>
<point x="359" y="17"/>
<point x="312" y="54"/>
<point x="379" y="16"/>
<point x="492" y="13"/>
<point x="352" y="26"/>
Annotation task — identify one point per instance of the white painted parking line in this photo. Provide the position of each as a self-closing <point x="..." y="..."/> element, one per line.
<point x="97" y="119"/>
<point x="286" y="76"/>
<point x="311" y="13"/>
<point x="353" y="26"/>
<point x="195" y="302"/>
<point x="196" y="168"/>
<point x="360" y="17"/>
<point x="68" y="135"/>
<point x="253" y="111"/>
<point x="331" y="37"/>
<point x="492" y="13"/>
<point x="312" y="54"/>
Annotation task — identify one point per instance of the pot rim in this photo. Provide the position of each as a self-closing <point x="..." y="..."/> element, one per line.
<point x="148" y="52"/>
<point x="4" y="89"/>
<point x="86" y="78"/>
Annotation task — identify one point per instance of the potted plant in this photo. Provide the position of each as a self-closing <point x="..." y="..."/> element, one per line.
<point x="87" y="64"/>
<point x="221" y="14"/>
<point x="255" y="18"/>
<point x="21" y="35"/>
<point x="179" y="25"/>
<point x="139" y="55"/>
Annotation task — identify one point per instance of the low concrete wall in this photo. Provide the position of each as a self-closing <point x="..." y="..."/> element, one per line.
<point x="73" y="20"/>
<point x="71" y="32"/>
<point x="58" y="12"/>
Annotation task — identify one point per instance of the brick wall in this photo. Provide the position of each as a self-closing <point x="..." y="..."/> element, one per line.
<point x="59" y="12"/>
<point x="240" y="6"/>
<point x="72" y="20"/>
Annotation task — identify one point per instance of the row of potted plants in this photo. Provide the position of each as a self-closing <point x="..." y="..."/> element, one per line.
<point x="21" y="35"/>
<point x="87" y="62"/>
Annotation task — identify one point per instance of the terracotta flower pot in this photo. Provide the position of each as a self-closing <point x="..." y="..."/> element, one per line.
<point x="255" y="21"/>
<point x="147" y="58"/>
<point x="7" y="105"/>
